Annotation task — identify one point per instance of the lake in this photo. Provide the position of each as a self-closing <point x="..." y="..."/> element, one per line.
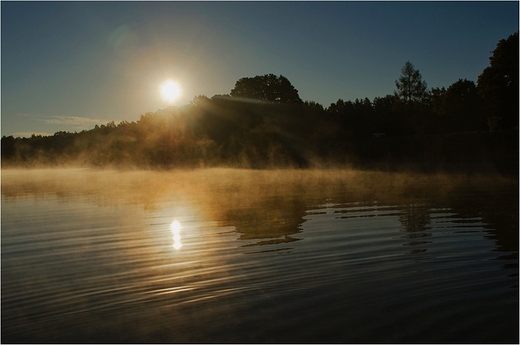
<point x="226" y="255"/>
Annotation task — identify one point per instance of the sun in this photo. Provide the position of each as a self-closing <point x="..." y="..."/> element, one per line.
<point x="170" y="90"/>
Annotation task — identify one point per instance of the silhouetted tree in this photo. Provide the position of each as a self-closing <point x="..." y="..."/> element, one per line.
<point x="384" y="114"/>
<point x="341" y="108"/>
<point x="462" y="107"/>
<point x="313" y="105"/>
<point x="498" y="83"/>
<point x="410" y="86"/>
<point x="384" y="105"/>
<point x="8" y="147"/>
<point x="436" y="96"/>
<point x="200" y="100"/>
<point x="363" y="107"/>
<point x="268" y="88"/>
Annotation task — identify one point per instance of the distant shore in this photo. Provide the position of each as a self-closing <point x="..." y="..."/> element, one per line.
<point x="460" y="152"/>
<point x="464" y="152"/>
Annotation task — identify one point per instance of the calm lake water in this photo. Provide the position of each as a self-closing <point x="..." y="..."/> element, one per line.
<point x="258" y="256"/>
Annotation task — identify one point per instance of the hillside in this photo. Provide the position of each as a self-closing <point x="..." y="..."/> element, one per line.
<point x="224" y="131"/>
<point x="263" y="123"/>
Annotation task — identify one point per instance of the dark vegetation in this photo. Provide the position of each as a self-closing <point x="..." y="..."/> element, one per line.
<point x="263" y="123"/>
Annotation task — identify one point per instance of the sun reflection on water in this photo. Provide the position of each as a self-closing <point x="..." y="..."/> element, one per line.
<point x="176" y="229"/>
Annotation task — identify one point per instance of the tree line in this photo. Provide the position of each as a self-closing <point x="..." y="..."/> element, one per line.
<point x="263" y="122"/>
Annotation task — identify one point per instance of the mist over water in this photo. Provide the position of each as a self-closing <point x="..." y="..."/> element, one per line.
<point x="230" y="255"/>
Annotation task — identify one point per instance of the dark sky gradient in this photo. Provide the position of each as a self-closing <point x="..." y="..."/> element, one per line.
<point x="70" y="65"/>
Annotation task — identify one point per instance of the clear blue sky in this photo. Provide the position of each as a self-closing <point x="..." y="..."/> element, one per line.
<point x="71" y="65"/>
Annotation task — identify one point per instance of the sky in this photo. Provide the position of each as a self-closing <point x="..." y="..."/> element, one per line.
<point x="67" y="66"/>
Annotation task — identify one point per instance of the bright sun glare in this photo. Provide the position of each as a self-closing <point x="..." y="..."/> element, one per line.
<point x="176" y="229"/>
<point x="170" y="90"/>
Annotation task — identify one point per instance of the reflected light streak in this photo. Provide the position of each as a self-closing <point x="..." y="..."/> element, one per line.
<point x="176" y="229"/>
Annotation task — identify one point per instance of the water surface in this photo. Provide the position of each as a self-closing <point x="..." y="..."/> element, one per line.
<point x="225" y="255"/>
